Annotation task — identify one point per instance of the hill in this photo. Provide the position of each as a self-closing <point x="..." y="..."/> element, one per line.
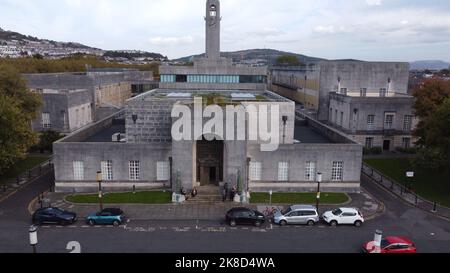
<point x="429" y="64"/>
<point x="270" y="55"/>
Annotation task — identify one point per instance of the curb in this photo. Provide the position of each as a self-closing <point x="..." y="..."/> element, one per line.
<point x="21" y="187"/>
<point x="404" y="201"/>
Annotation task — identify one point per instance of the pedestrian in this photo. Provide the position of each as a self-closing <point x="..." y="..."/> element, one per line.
<point x="233" y="193"/>
<point x="194" y="192"/>
<point x="225" y="192"/>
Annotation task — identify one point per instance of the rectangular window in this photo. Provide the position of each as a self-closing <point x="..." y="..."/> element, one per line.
<point x="162" y="171"/>
<point x="363" y="92"/>
<point x="344" y="91"/>
<point x="134" y="170"/>
<point x="310" y="171"/>
<point x="107" y="173"/>
<point x="342" y="119"/>
<point x="46" y="124"/>
<point x="283" y="171"/>
<point x="370" y="122"/>
<point x="337" y="172"/>
<point x="406" y="142"/>
<point x="78" y="170"/>
<point x="335" y="116"/>
<point x="388" y="121"/>
<point x="369" y="142"/>
<point x="383" y="92"/>
<point x="256" y="171"/>
<point x="407" y="123"/>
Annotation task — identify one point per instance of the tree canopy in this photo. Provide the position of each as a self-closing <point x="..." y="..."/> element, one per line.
<point x="18" y="107"/>
<point x="432" y="106"/>
<point x="288" y="60"/>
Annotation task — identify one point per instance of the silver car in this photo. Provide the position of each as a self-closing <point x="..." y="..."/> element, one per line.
<point x="297" y="215"/>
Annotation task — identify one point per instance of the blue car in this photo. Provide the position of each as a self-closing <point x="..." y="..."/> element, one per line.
<point x="114" y="217"/>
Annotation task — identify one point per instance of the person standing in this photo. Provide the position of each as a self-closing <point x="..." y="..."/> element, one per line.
<point x="225" y="192"/>
<point x="233" y="194"/>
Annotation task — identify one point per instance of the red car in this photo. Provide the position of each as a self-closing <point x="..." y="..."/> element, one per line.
<point x="392" y="245"/>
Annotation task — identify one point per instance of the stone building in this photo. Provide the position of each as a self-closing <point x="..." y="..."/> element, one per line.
<point x="367" y="101"/>
<point x="137" y="147"/>
<point x="106" y="91"/>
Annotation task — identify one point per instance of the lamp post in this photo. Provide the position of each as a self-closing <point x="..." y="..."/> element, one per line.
<point x="100" y="193"/>
<point x="33" y="238"/>
<point x="410" y="175"/>
<point x="319" y="180"/>
<point x="270" y="195"/>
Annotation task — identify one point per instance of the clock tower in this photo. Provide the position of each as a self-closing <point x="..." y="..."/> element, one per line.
<point x="213" y="29"/>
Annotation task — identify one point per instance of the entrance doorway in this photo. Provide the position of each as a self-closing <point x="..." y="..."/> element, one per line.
<point x="209" y="162"/>
<point x="387" y="145"/>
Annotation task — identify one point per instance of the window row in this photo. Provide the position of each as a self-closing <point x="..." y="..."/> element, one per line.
<point x="337" y="171"/>
<point x="389" y="119"/>
<point x="134" y="174"/>
<point x="214" y="78"/>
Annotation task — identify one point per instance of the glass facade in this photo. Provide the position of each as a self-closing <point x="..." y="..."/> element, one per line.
<point x="225" y="79"/>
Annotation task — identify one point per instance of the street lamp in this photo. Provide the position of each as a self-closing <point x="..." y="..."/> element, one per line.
<point x="100" y="194"/>
<point x="33" y="237"/>
<point x="319" y="180"/>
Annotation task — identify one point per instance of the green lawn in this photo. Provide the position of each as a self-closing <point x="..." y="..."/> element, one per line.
<point x="299" y="198"/>
<point x="146" y="197"/>
<point x="22" y="166"/>
<point x="428" y="184"/>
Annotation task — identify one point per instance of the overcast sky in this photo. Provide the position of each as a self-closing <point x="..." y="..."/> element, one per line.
<point x="384" y="30"/>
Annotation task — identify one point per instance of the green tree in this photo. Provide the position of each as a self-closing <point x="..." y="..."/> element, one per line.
<point x="288" y="60"/>
<point x="18" y="107"/>
<point x="46" y="140"/>
<point x="432" y="106"/>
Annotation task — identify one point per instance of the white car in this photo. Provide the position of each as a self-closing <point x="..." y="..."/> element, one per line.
<point x="344" y="216"/>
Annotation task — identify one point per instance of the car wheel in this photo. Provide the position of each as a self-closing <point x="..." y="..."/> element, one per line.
<point x="358" y="223"/>
<point x="311" y="223"/>
<point x="91" y="222"/>
<point x="257" y="224"/>
<point x="333" y="223"/>
<point x="116" y="223"/>
<point x="283" y="223"/>
<point x="233" y="223"/>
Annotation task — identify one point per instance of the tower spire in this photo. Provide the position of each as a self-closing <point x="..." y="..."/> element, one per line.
<point x="213" y="29"/>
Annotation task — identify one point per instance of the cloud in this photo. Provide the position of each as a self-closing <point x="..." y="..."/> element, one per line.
<point x="373" y="2"/>
<point x="171" y="41"/>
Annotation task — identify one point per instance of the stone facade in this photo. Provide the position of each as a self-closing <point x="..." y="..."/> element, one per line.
<point x="365" y="120"/>
<point x="322" y="78"/>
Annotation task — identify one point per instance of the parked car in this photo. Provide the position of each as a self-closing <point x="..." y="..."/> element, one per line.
<point x="244" y="216"/>
<point x="392" y="245"/>
<point x="110" y="216"/>
<point x="53" y="216"/>
<point x="297" y="214"/>
<point x="344" y="216"/>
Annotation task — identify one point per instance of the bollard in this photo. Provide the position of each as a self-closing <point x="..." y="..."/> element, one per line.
<point x="417" y="201"/>
<point x="392" y="185"/>
<point x="377" y="241"/>
<point x="401" y="190"/>
<point x="134" y="189"/>
<point x="434" y="207"/>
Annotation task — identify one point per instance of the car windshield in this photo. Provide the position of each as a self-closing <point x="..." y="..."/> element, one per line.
<point x="384" y="243"/>
<point x="286" y="211"/>
<point x="337" y="212"/>
<point x="57" y="211"/>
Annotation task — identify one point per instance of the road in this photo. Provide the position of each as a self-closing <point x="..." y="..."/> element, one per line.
<point x="431" y="234"/>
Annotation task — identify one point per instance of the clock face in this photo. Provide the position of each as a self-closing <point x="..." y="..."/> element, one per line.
<point x="213" y="13"/>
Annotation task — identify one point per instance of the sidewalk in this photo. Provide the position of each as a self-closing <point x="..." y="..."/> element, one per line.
<point x="9" y="188"/>
<point x="402" y="192"/>
<point x="209" y="211"/>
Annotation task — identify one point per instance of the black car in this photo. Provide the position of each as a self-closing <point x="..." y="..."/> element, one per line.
<point x="53" y="216"/>
<point x="244" y="216"/>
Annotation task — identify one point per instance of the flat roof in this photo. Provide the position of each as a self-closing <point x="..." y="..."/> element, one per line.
<point x="306" y="134"/>
<point x="106" y="134"/>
